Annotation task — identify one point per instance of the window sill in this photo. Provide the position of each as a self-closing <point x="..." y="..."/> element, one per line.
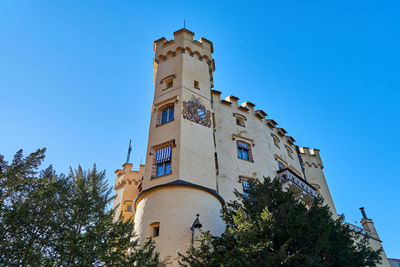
<point x="164" y="89"/>
<point x="246" y="160"/>
<point x="156" y="177"/>
<point x="158" y="125"/>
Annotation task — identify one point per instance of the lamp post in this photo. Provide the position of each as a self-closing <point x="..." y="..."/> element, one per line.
<point x="196" y="225"/>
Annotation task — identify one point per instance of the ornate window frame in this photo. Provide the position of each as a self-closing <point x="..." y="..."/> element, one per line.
<point x="153" y="152"/>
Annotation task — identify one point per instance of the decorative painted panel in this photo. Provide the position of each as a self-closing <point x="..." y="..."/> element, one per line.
<point x="195" y="111"/>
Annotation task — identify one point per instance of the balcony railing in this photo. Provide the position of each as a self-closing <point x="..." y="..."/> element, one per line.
<point x="358" y="229"/>
<point x="300" y="187"/>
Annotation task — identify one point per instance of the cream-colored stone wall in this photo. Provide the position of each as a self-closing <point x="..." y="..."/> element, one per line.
<point x="175" y="208"/>
<point x="265" y="153"/>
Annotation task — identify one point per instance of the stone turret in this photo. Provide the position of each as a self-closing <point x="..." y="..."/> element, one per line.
<point x="314" y="173"/>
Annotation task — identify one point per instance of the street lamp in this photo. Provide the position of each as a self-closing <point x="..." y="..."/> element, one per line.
<point x="196" y="225"/>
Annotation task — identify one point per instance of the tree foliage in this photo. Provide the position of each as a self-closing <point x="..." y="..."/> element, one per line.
<point x="62" y="220"/>
<point x="271" y="228"/>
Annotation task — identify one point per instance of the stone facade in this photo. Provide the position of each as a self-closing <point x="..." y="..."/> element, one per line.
<point x="203" y="150"/>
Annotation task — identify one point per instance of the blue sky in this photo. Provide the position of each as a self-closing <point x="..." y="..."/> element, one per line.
<point x="76" y="77"/>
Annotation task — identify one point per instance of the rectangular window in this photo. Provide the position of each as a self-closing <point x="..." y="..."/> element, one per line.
<point x="167" y="115"/>
<point x="196" y="85"/>
<point x="129" y="208"/>
<point x="156" y="231"/>
<point x="163" y="161"/>
<point x="243" y="150"/>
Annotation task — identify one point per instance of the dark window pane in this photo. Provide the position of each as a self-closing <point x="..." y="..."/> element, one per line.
<point x="240" y="155"/>
<point x="164" y="116"/>
<point x="171" y="114"/>
<point x="245" y="154"/>
<point x="160" y="168"/>
<point x="167" y="167"/>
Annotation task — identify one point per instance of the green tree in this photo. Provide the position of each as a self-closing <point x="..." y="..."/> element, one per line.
<point x="271" y="228"/>
<point x="62" y="220"/>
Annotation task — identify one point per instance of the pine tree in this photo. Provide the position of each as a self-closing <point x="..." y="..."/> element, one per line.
<point x="57" y="220"/>
<point x="269" y="227"/>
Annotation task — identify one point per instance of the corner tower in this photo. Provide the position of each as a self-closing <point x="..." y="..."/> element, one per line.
<point x="180" y="177"/>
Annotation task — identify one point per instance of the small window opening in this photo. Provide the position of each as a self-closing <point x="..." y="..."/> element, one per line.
<point x="155" y="229"/>
<point x="276" y="140"/>
<point x="240" y="121"/>
<point x="290" y="152"/>
<point x="196" y="84"/>
<point x="129" y="208"/>
<point x="170" y="84"/>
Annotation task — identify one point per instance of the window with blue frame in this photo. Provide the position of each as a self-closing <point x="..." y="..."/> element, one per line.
<point x="163" y="161"/>
<point x="244" y="151"/>
<point x="167" y="115"/>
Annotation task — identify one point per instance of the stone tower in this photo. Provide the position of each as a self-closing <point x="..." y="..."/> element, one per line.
<point x="179" y="178"/>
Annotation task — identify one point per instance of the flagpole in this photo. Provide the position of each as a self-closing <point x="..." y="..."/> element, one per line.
<point x="129" y="151"/>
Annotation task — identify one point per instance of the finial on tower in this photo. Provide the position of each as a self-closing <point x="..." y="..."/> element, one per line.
<point x="129" y="151"/>
<point x="184" y="23"/>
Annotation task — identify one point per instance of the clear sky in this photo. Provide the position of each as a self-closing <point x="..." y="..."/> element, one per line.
<point x="76" y="77"/>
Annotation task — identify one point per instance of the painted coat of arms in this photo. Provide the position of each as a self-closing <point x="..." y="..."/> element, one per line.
<point x="194" y="111"/>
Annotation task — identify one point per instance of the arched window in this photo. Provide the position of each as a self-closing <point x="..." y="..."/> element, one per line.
<point x="166" y="114"/>
<point x="244" y="150"/>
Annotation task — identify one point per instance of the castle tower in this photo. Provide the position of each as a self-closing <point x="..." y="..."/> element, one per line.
<point x="313" y="168"/>
<point x="180" y="178"/>
<point x="126" y="188"/>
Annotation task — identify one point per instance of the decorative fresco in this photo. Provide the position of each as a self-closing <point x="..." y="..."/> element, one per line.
<point x="195" y="111"/>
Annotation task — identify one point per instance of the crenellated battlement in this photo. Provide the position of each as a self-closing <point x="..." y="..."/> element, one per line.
<point x="248" y="107"/>
<point x="183" y="43"/>
<point x="126" y="176"/>
<point x="311" y="157"/>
